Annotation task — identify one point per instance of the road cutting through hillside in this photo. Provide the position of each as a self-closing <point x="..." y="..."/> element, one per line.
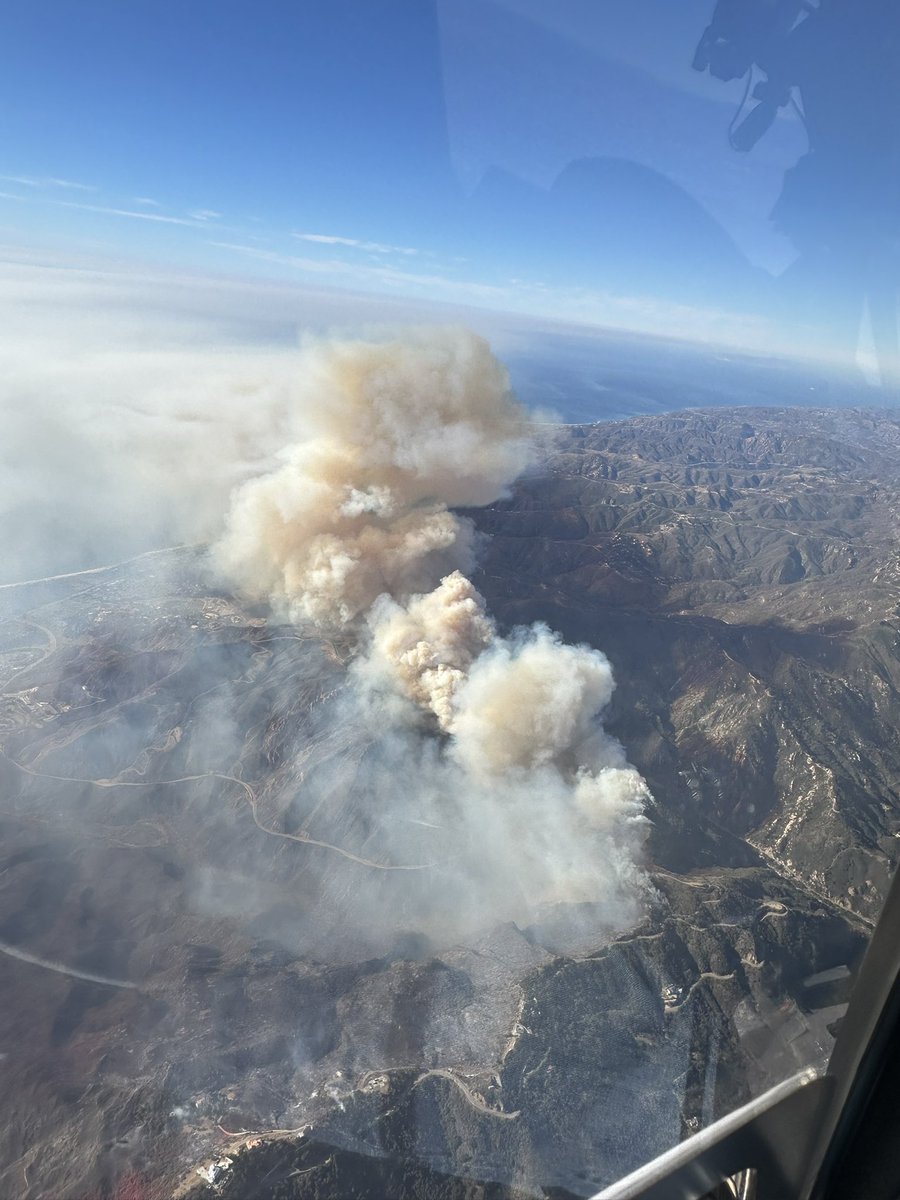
<point x="302" y="838"/>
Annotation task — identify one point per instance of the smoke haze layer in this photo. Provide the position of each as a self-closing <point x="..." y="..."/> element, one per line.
<point x="133" y="401"/>
<point x="326" y="479"/>
<point x="495" y="741"/>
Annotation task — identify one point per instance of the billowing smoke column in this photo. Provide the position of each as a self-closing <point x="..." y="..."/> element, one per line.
<point x="400" y="432"/>
<point x="496" y="739"/>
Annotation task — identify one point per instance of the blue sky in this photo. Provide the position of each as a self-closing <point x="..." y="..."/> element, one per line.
<point x="402" y="147"/>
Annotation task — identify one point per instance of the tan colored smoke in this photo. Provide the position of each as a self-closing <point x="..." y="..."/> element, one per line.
<point x="398" y="433"/>
<point x="354" y="531"/>
<point x="513" y="706"/>
<point x="530" y="702"/>
<point x="428" y="646"/>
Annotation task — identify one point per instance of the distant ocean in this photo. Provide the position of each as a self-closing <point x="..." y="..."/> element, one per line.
<point x="605" y="377"/>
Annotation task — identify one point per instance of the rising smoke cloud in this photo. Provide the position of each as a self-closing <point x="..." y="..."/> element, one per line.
<point x="493" y="740"/>
<point x="132" y="402"/>
<point x="400" y="431"/>
<point x="475" y="756"/>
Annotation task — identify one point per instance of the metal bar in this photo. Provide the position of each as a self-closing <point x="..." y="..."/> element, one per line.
<point x="872" y="1019"/>
<point x="794" y="1134"/>
<point x="773" y="1134"/>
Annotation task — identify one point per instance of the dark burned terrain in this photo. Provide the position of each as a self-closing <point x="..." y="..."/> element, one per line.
<point x="175" y="988"/>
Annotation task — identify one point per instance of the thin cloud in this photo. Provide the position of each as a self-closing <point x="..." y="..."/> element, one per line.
<point x="331" y="239"/>
<point x="315" y="266"/>
<point x="127" y="212"/>
<point x="204" y="214"/>
<point x="150" y="203"/>
<point x="49" y="182"/>
<point x="535" y="298"/>
<point x="362" y="274"/>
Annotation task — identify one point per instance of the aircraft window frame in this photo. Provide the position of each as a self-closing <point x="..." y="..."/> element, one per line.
<point x="796" y="1135"/>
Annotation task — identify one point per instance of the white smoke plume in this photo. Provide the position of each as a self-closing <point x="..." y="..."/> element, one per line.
<point x="427" y="647"/>
<point x="400" y="432"/>
<point x="531" y="703"/>
<point x="494" y="739"/>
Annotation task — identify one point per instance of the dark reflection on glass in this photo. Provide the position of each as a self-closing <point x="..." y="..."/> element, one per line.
<point x="840" y="205"/>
